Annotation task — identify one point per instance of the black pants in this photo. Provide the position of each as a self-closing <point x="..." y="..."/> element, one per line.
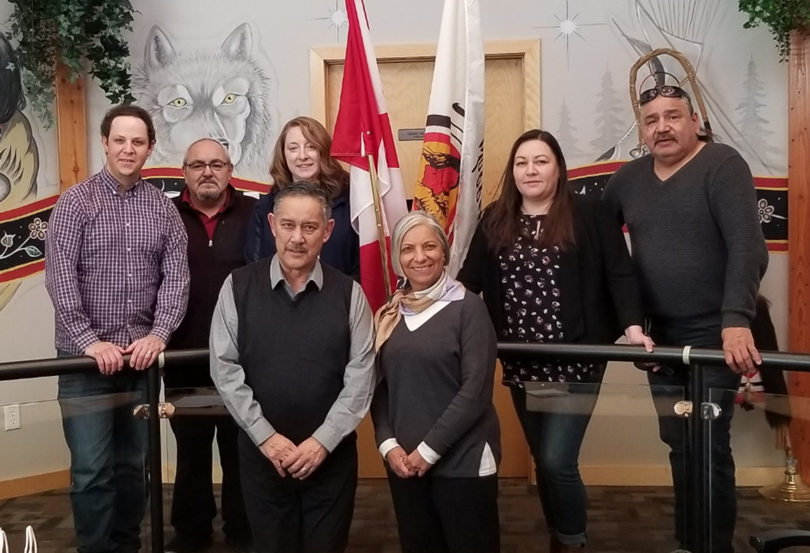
<point x="446" y="515"/>
<point x="299" y="516"/>
<point x="720" y="387"/>
<point x="193" y="505"/>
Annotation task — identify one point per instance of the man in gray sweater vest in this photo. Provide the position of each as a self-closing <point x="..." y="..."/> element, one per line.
<point x="291" y="355"/>
<point x="699" y="253"/>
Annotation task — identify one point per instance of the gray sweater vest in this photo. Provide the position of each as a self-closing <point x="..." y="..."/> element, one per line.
<point x="294" y="352"/>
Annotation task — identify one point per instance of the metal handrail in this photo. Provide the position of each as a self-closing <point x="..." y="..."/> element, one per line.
<point x="40" y="368"/>
<point x="687" y="356"/>
<point x="798" y="362"/>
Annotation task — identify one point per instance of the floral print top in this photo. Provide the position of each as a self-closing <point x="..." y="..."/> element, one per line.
<point x="530" y="289"/>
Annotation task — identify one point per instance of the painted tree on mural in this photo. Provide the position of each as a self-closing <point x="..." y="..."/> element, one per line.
<point x="753" y="127"/>
<point x="611" y="119"/>
<point x="565" y="135"/>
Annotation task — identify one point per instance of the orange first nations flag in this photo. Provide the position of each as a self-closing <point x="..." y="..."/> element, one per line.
<point x="362" y="129"/>
<point x="448" y="184"/>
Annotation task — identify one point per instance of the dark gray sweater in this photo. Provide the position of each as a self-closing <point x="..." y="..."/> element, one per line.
<point x="697" y="245"/>
<point x="437" y="385"/>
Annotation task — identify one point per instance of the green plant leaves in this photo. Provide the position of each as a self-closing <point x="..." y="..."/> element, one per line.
<point x="782" y="16"/>
<point x="77" y="33"/>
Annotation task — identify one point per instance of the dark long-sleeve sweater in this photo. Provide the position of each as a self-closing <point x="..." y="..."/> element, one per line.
<point x="696" y="240"/>
<point x="210" y="261"/>
<point x="600" y="293"/>
<point x="436" y="387"/>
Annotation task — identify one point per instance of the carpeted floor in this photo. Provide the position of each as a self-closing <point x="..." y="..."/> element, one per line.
<point x="621" y="520"/>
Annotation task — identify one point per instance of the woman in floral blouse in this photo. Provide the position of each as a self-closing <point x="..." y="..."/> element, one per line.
<point x="553" y="267"/>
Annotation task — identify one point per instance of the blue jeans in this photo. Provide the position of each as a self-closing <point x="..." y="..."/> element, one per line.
<point x="720" y="385"/>
<point x="555" y="438"/>
<point x="107" y="458"/>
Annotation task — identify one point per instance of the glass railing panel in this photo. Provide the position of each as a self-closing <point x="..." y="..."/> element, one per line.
<point x="771" y="461"/>
<point x="626" y="470"/>
<point x="79" y="492"/>
<point x="195" y="440"/>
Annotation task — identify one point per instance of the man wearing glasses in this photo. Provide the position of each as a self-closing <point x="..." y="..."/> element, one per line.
<point x="699" y="253"/>
<point x="215" y="216"/>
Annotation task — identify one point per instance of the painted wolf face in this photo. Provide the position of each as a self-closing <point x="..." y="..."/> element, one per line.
<point x="219" y="94"/>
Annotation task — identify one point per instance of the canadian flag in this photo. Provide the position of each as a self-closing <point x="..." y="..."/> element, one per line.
<point x="362" y="128"/>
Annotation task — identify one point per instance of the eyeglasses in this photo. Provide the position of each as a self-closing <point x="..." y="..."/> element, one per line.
<point x="666" y="91"/>
<point x="199" y="166"/>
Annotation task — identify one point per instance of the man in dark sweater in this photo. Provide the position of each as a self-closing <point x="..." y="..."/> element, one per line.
<point x="691" y="210"/>
<point x="292" y="356"/>
<point x="216" y="218"/>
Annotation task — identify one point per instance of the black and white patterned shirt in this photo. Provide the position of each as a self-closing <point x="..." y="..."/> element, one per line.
<point x="116" y="265"/>
<point x="531" y="302"/>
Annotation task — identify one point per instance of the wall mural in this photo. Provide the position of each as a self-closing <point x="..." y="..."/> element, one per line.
<point x="337" y="18"/>
<point x="23" y="219"/>
<point x="218" y="91"/>
<point x="690" y="27"/>
<point x="225" y="86"/>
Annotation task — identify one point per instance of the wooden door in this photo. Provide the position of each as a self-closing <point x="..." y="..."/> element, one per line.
<point x="406" y="82"/>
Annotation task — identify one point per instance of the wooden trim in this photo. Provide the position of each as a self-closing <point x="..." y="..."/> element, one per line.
<point x="71" y="129"/>
<point x="626" y="475"/>
<point x="527" y="50"/>
<point x="422" y="52"/>
<point x="34" y="484"/>
<point x="799" y="240"/>
<point x="318" y="84"/>
<point x="661" y="475"/>
<point x="591" y="475"/>
<point x="594" y="475"/>
<point x="531" y="86"/>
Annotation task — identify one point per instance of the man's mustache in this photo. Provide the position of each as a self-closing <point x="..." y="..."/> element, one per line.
<point x="661" y="137"/>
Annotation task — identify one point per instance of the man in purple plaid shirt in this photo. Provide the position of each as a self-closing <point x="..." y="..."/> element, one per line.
<point x="117" y="273"/>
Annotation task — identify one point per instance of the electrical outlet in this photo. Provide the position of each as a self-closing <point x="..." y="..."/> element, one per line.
<point x="12" y="416"/>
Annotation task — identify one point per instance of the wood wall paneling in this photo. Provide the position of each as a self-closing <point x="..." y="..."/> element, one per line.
<point x="30" y="485"/>
<point x="71" y="129"/>
<point x="799" y="241"/>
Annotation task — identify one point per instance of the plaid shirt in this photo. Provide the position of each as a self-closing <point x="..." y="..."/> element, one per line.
<point x="116" y="265"/>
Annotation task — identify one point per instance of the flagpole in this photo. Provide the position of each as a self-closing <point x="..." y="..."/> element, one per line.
<point x="375" y="193"/>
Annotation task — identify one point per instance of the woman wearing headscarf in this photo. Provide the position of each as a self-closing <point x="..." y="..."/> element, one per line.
<point x="433" y="415"/>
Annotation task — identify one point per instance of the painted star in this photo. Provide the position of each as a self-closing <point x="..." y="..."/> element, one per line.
<point x="568" y="26"/>
<point x="11" y="66"/>
<point x="337" y="18"/>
